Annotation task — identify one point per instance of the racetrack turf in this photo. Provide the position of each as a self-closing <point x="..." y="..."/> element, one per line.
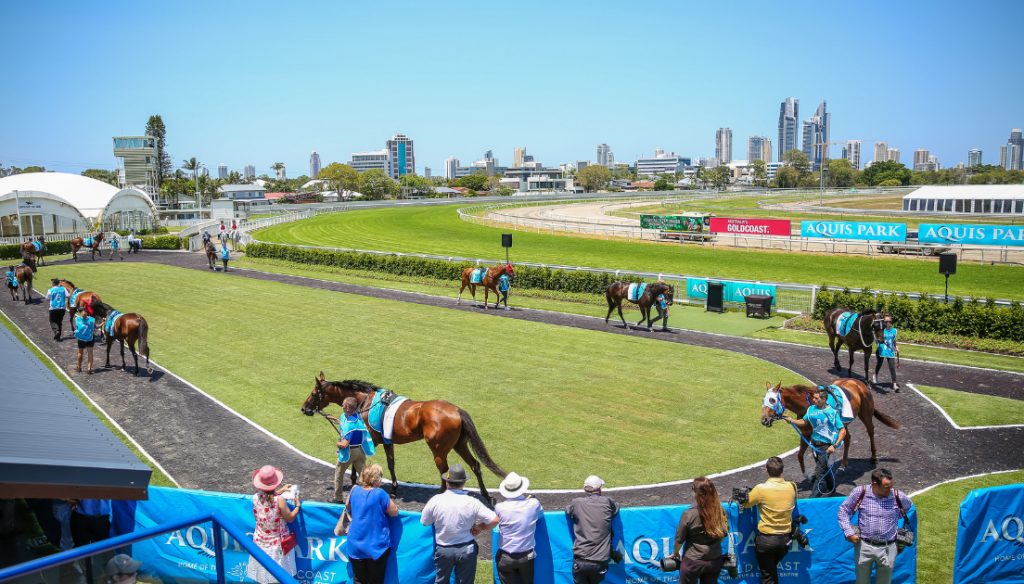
<point x="972" y="409"/>
<point x="552" y="403"/>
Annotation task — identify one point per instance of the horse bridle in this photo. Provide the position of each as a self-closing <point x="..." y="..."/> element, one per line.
<point x="860" y="330"/>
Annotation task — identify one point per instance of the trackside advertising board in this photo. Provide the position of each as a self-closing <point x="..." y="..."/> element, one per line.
<point x="869" y="231"/>
<point x="739" y="226"/>
<point x="971" y="234"/>
<point x="672" y="222"/>
<point x="990" y="536"/>
<point x="697" y="288"/>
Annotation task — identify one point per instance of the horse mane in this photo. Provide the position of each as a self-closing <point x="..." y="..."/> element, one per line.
<point x="357" y="385"/>
<point x="868" y="312"/>
<point x="69" y="283"/>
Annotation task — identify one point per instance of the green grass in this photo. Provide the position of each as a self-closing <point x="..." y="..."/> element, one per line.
<point x="553" y="403"/>
<point x="438" y="230"/>
<point x="907" y="351"/>
<point x="972" y="409"/>
<point x="158" y="478"/>
<point x="938" y="511"/>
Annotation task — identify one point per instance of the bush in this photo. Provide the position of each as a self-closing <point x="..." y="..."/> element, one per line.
<point x="161" y="242"/>
<point x="13" y="251"/>
<point x="973" y="318"/>
<point x="155" y="231"/>
<point x="526" y="276"/>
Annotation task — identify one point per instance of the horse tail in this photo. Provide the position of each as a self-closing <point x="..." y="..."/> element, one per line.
<point x="144" y="339"/>
<point x="886" y="420"/>
<point x="469" y="431"/>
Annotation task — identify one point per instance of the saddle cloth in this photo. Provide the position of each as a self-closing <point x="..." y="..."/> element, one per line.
<point x="382" y="414"/>
<point x="12" y="280"/>
<point x="38" y="246"/>
<point x="74" y="298"/>
<point x="636" y="291"/>
<point x="838" y="400"/>
<point x="87" y="242"/>
<point x="844" y="323"/>
<point x="477" y="275"/>
<point x="112" y="322"/>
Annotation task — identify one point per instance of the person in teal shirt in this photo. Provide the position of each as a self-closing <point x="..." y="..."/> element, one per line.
<point x="889" y="352"/>
<point x="225" y="255"/>
<point x="504" y="285"/>
<point x="827" y="433"/>
<point x="58" y="299"/>
<point x="85" y="331"/>
<point x="115" y="247"/>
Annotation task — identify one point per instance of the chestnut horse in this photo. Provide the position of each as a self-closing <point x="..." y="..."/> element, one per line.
<point x="444" y="427"/>
<point x="129" y="328"/>
<point x="868" y="327"/>
<point x="81" y="300"/>
<point x="34" y="249"/>
<point x="211" y="254"/>
<point x="23" y="276"/>
<point x="489" y="282"/>
<point x="797" y="399"/>
<point x="78" y="243"/>
<point x="619" y="291"/>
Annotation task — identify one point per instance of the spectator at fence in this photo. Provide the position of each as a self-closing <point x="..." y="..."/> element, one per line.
<point x="827" y="433"/>
<point x="354" y="445"/>
<point x="699" y="534"/>
<point x="887" y="351"/>
<point x="874" y="537"/>
<point x="457" y="518"/>
<point x="272" y="516"/>
<point x="369" y="536"/>
<point x="775" y="500"/>
<point x="591" y="519"/>
<point x="57" y="296"/>
<point x="517" y="526"/>
<point x="123" y="569"/>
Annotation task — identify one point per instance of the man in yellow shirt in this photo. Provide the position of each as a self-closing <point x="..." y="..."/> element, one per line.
<point x="775" y="500"/>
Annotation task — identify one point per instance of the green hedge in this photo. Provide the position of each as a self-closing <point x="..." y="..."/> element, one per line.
<point x="526" y="276"/>
<point x="13" y="251"/>
<point x="980" y="319"/>
<point x="161" y="242"/>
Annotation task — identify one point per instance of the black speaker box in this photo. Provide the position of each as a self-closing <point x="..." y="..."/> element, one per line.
<point x="947" y="263"/>
<point x="716" y="297"/>
<point x="506" y="240"/>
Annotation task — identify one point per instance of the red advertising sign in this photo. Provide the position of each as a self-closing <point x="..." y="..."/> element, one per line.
<point x="750" y="226"/>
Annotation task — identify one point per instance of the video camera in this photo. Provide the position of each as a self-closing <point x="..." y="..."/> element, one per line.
<point x="796" y="534"/>
<point x="741" y="495"/>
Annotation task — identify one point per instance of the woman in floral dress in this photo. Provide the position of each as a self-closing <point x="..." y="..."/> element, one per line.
<point x="272" y="516"/>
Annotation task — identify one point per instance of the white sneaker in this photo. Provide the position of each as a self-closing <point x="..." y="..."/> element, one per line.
<point x="874" y="379"/>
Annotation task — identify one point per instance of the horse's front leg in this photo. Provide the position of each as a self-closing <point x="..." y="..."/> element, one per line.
<point x="389" y="450"/>
<point x="800" y="455"/>
<point x="849" y="364"/>
<point x="486" y="291"/>
<point x="459" y="301"/>
<point x="867" y="362"/>
<point x="624" y="323"/>
<point x="834" y="343"/>
<point x="846" y="450"/>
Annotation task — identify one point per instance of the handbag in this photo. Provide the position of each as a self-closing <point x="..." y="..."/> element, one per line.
<point x="289" y="541"/>
<point x="346" y="518"/>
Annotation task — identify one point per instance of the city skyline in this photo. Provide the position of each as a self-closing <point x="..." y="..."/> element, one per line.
<point x="61" y="115"/>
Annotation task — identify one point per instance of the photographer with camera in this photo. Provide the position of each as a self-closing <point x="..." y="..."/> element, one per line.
<point x="775" y="500"/>
<point x="591" y="519"/>
<point x="877" y="537"/>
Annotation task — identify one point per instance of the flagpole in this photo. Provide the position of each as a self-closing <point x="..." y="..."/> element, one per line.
<point x="17" y="199"/>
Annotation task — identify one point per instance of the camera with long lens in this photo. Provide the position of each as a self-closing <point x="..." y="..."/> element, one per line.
<point x="904" y="538"/>
<point x="796" y="534"/>
<point x="741" y="495"/>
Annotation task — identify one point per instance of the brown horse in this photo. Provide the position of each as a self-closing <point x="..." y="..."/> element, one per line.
<point x="78" y="243"/>
<point x="867" y="328"/>
<point x="442" y="425"/>
<point x="489" y="282"/>
<point x="211" y="254"/>
<point x="619" y="291"/>
<point x="23" y="278"/>
<point x="84" y="301"/>
<point x="34" y="249"/>
<point x="128" y="328"/>
<point x="797" y="399"/>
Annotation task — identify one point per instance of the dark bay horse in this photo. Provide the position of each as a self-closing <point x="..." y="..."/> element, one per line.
<point x="23" y="276"/>
<point x="619" y="291"/>
<point x="797" y="399"/>
<point x="867" y="328"/>
<point x="442" y="425"/>
<point x="489" y="282"/>
<point x="82" y="300"/>
<point x="211" y="254"/>
<point x="131" y="328"/>
<point x="78" y="243"/>
<point x="34" y="249"/>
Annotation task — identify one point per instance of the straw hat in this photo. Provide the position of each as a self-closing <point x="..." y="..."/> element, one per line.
<point x="513" y="486"/>
<point x="267" y="478"/>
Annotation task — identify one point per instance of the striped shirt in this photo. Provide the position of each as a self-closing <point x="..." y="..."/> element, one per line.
<point x="877" y="516"/>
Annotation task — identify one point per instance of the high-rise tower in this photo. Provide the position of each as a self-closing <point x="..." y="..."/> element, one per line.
<point x="314" y="165"/>
<point x="789" y="116"/>
<point x="401" y="157"/>
<point x="723" y="145"/>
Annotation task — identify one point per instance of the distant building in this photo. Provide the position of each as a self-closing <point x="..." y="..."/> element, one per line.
<point x="222" y="171"/>
<point x="401" y="156"/>
<point x="816" y="136"/>
<point x="723" y="145"/>
<point x="517" y="157"/>
<point x="973" y="157"/>
<point x="881" y="152"/>
<point x="789" y="116"/>
<point x="603" y="153"/>
<point x="242" y="192"/>
<point x="654" y="167"/>
<point x="1004" y="151"/>
<point x="250" y="172"/>
<point x="282" y="173"/>
<point x="581" y="164"/>
<point x="772" y="168"/>
<point x="851" y="152"/>
<point x="426" y="172"/>
<point x="921" y="161"/>
<point x="893" y="154"/>
<point x="759" y="148"/>
<point x="1015" y="151"/>
<point x="138" y="162"/>
<point x="314" y="164"/>
<point x="363" y="161"/>
<point x="450" y="165"/>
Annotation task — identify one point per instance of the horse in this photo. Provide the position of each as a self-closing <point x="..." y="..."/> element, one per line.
<point x="128" y="327"/>
<point x="868" y="327"/>
<point x="211" y="254"/>
<point x="81" y="300"/>
<point x="23" y="277"/>
<point x="78" y="243"/>
<point x="489" y="282"/>
<point x="444" y="427"/>
<point x="797" y="399"/>
<point x="619" y="291"/>
<point x="35" y="249"/>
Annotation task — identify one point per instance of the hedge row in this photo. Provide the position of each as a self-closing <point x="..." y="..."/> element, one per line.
<point x="526" y="276"/>
<point x="13" y="251"/>
<point x="981" y="319"/>
<point x="160" y="242"/>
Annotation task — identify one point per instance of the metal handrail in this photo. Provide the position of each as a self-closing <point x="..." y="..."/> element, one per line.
<point x="112" y="543"/>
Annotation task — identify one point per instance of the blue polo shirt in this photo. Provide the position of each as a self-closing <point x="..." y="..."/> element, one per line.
<point x="84" y="327"/>
<point x="887" y="348"/>
<point x="58" y="297"/>
<point x="825" y="423"/>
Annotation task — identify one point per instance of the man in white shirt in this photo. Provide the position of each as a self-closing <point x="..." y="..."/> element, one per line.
<point x="517" y="526"/>
<point x="457" y="518"/>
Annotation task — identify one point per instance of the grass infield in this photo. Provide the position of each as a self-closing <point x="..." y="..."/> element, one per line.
<point x="972" y="409"/>
<point x="438" y="230"/>
<point x="552" y="403"/>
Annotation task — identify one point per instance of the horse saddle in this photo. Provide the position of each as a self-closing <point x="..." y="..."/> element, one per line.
<point x="74" y="298"/>
<point x="112" y="322"/>
<point x="477" y="275"/>
<point x="844" y="323"/>
<point x="382" y="412"/>
<point x="636" y="291"/>
<point x="88" y="241"/>
<point x="839" y="401"/>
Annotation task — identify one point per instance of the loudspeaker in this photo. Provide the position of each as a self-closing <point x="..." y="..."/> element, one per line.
<point x="716" y="297"/>
<point x="506" y="240"/>
<point x="947" y="263"/>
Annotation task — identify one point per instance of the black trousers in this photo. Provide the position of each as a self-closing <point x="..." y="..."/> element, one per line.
<point x="770" y="550"/>
<point x="86" y="529"/>
<point x="57" y="322"/>
<point x="891" y="362"/>
<point x="515" y="568"/>
<point x="369" y="571"/>
<point x="823" y="483"/>
<point x="587" y="572"/>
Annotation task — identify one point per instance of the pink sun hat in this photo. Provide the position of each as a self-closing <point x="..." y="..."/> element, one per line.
<point x="267" y="478"/>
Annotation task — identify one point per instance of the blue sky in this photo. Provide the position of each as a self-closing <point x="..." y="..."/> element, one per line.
<point x="258" y="82"/>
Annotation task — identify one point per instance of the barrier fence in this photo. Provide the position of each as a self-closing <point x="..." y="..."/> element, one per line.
<point x="990" y="536"/>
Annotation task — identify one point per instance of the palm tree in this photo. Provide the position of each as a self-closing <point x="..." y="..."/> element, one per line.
<point x="277" y="167"/>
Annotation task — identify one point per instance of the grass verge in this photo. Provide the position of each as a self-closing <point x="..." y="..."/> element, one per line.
<point x="972" y="409"/>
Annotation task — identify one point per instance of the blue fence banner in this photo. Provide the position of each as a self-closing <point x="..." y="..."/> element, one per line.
<point x="733" y="291"/>
<point x="645" y="535"/>
<point x="321" y="557"/>
<point x="990" y="536"/>
<point x="869" y="231"/>
<point x="971" y="234"/>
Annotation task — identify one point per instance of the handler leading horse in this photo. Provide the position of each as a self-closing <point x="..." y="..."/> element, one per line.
<point x="93" y="243"/>
<point x="488" y="279"/>
<point x="858" y="331"/>
<point x="797" y="399"/>
<point x="82" y="301"/>
<point x="22" y="280"/>
<point x="34" y="249"/>
<point x="444" y="426"/>
<point x="644" y="296"/>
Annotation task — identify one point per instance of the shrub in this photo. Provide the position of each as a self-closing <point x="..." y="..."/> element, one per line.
<point x="161" y="242"/>
<point x="13" y="251"/>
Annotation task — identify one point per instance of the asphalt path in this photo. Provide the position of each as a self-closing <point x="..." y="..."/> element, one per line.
<point x="204" y="445"/>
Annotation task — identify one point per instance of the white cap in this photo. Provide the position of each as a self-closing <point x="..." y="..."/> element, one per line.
<point x="592" y="483"/>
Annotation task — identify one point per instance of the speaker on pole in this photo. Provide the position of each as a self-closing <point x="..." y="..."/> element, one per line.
<point x="947" y="263"/>
<point x="506" y="240"/>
